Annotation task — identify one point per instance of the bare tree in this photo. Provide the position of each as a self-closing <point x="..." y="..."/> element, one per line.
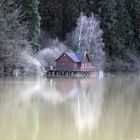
<point x="87" y="36"/>
<point x="15" y="51"/>
<point x="12" y="34"/>
<point x="53" y="50"/>
<point x="11" y="26"/>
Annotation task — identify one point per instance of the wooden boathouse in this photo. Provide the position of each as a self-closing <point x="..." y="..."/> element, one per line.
<point x="71" y="64"/>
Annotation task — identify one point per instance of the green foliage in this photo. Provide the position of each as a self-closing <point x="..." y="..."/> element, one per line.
<point x="117" y="26"/>
<point x="30" y="9"/>
<point x="134" y="11"/>
<point x="109" y="21"/>
<point x="124" y="25"/>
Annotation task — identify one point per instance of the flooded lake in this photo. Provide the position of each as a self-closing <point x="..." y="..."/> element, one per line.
<point x="70" y="109"/>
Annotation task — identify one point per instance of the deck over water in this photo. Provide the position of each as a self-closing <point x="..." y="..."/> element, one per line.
<point x="68" y="73"/>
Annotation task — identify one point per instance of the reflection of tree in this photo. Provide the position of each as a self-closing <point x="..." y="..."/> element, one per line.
<point x="85" y="96"/>
<point x="87" y="107"/>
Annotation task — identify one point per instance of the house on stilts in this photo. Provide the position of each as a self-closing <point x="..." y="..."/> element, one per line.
<point x="71" y="64"/>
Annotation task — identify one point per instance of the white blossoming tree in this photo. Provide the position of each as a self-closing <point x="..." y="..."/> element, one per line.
<point x="87" y="36"/>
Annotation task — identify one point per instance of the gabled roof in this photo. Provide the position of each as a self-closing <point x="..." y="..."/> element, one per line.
<point x="77" y="57"/>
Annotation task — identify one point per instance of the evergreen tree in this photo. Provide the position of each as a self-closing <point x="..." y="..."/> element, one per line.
<point x="108" y="15"/>
<point x="93" y="6"/>
<point x="52" y="17"/>
<point x="59" y="17"/>
<point x="124" y="26"/>
<point x="30" y="9"/>
<point x="71" y="12"/>
<point x="134" y="10"/>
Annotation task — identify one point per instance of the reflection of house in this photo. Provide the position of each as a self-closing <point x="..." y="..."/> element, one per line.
<point x="65" y="87"/>
<point x="72" y="86"/>
<point x="74" y="61"/>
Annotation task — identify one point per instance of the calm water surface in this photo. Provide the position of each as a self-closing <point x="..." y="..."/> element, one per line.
<point x="70" y="109"/>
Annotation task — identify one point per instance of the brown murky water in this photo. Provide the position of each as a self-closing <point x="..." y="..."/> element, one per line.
<point x="70" y="109"/>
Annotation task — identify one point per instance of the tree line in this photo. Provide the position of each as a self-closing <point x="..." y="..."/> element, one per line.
<point x="120" y="21"/>
<point x="22" y="20"/>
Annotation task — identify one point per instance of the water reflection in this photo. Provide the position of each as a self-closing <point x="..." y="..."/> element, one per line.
<point x="65" y="109"/>
<point x="88" y="106"/>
